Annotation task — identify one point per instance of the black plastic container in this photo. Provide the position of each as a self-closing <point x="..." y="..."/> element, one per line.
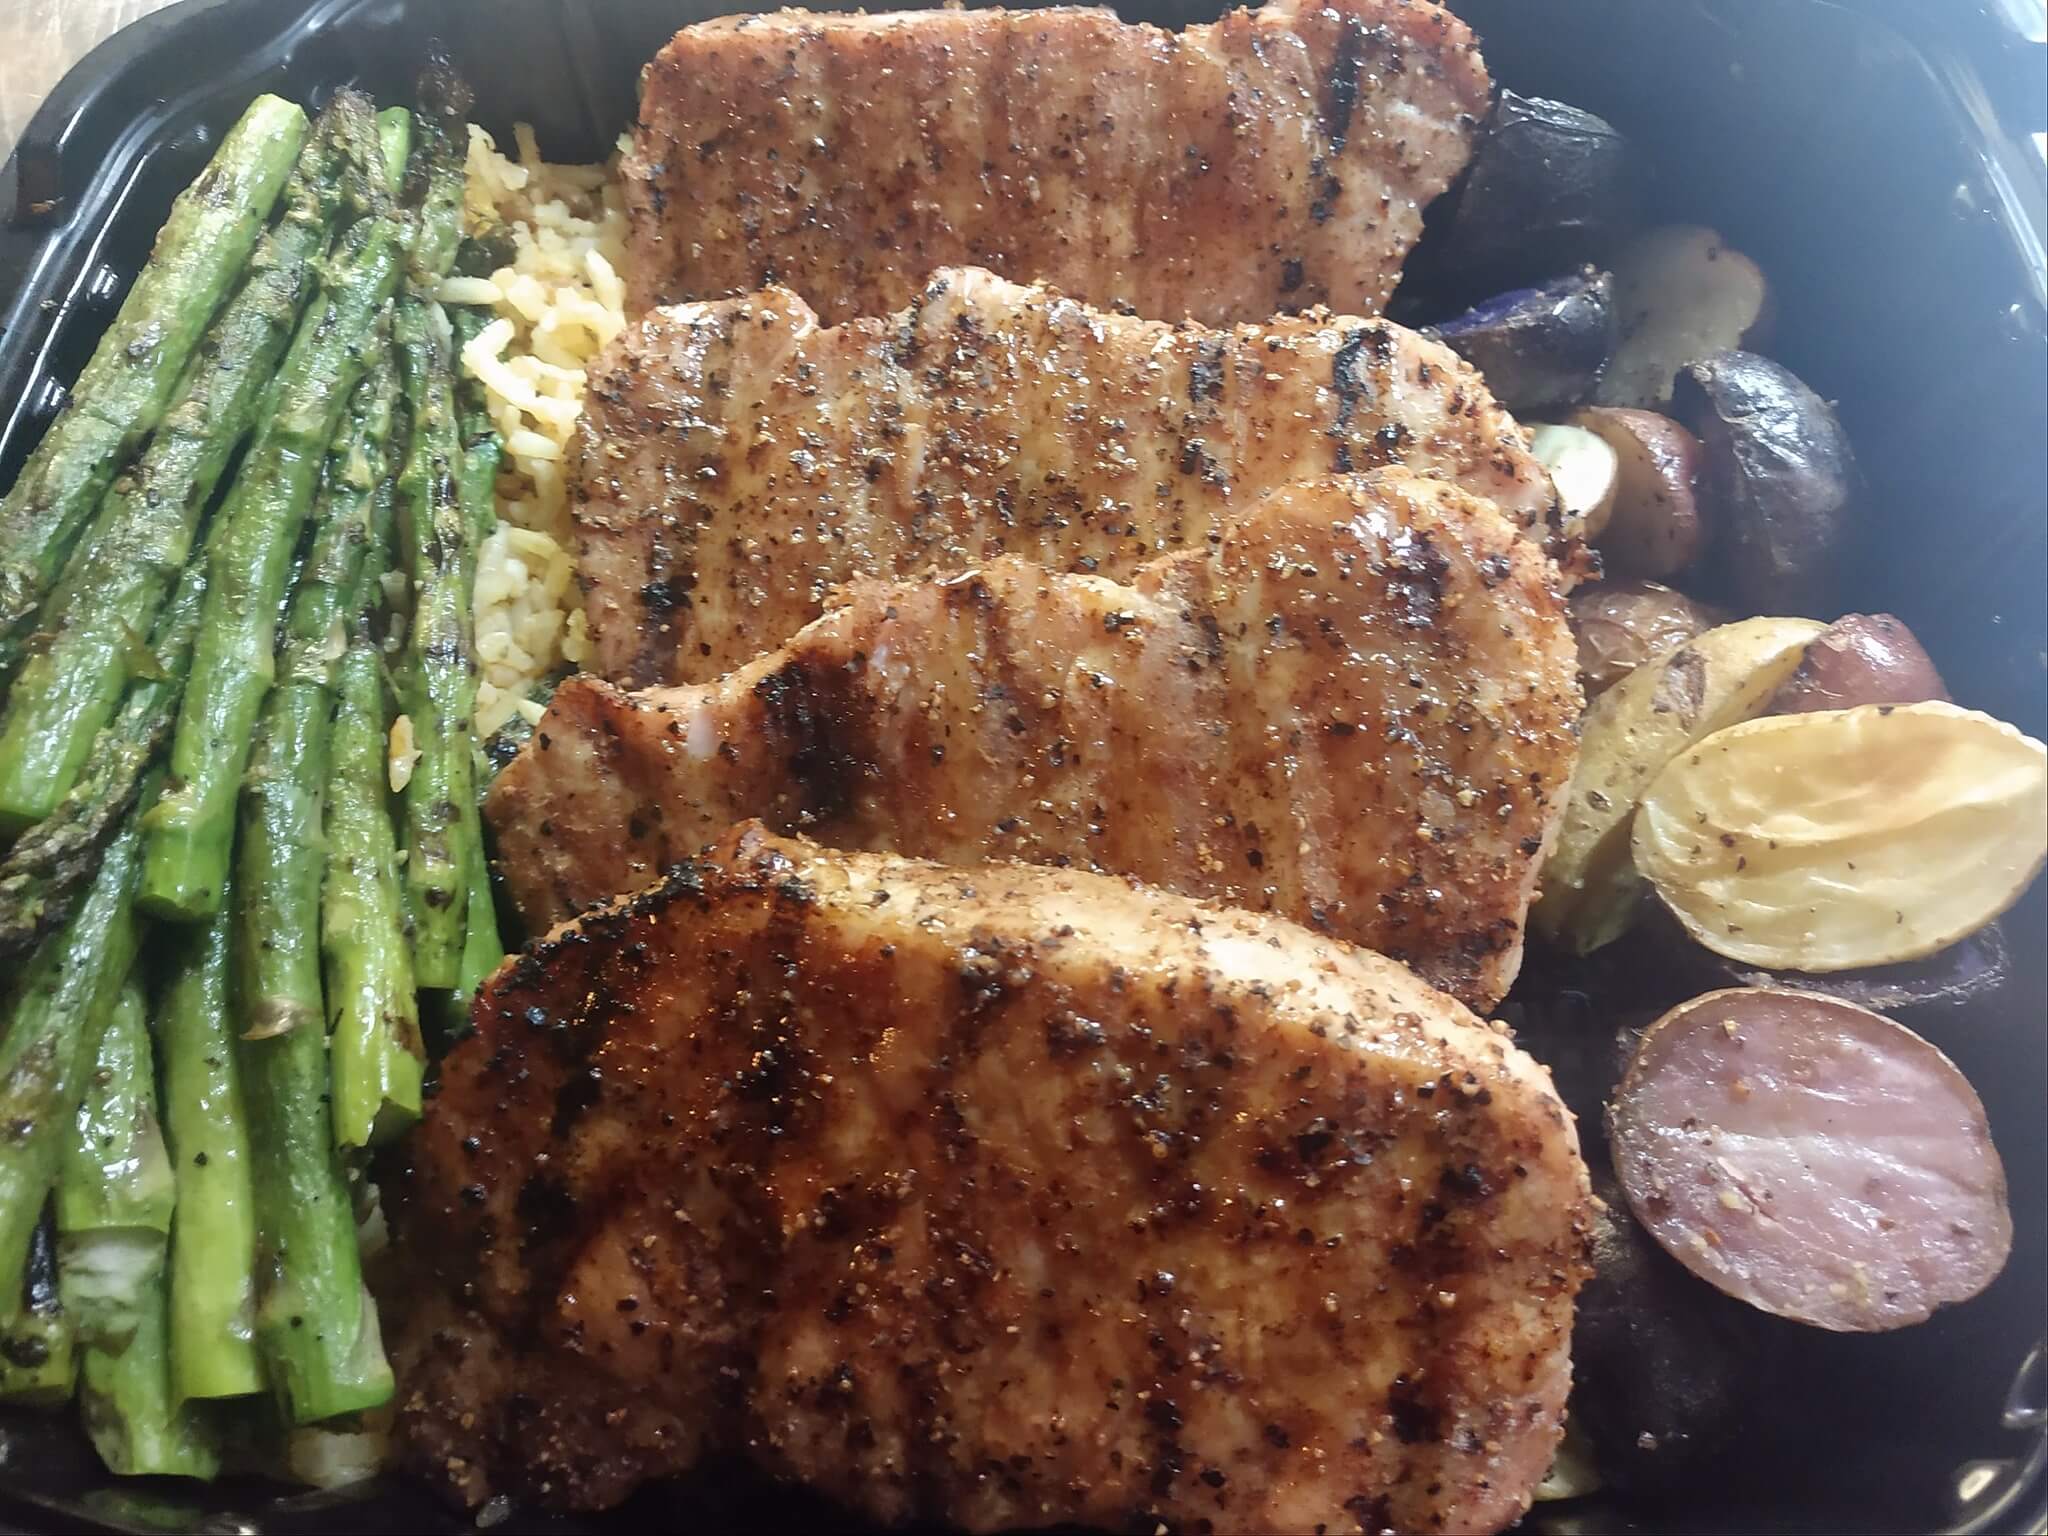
<point x="1875" y="158"/>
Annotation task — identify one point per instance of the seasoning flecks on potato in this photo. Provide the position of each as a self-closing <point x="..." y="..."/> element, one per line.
<point x="1629" y="733"/>
<point x="1811" y="1158"/>
<point x="1846" y="838"/>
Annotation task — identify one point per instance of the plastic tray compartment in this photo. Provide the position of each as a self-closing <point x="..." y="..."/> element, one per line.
<point x="1875" y="157"/>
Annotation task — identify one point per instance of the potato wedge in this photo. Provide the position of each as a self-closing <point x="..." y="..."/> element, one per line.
<point x="1682" y="292"/>
<point x="1846" y="838"/>
<point x="1655" y="528"/>
<point x="1630" y="732"/>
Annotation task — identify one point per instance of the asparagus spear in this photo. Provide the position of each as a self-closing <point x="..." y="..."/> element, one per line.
<point x="394" y="138"/>
<point x="440" y="666"/>
<point x="315" y="1321"/>
<point x="38" y="1352"/>
<point x="378" y="1057"/>
<point x="135" y="1420"/>
<point x="191" y="831"/>
<point x="280" y="861"/>
<point x="115" y="585"/>
<point x="114" y="1187"/>
<point x="64" y="995"/>
<point x="213" y="1242"/>
<point x="482" y="948"/>
<point x="121" y="395"/>
<point x="482" y="449"/>
<point x="41" y="875"/>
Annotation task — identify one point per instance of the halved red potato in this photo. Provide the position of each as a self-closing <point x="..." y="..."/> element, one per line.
<point x="1811" y="1158"/>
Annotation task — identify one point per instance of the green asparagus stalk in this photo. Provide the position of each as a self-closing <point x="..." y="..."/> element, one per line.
<point x="378" y="1057"/>
<point x="482" y="449"/>
<point x="439" y="674"/>
<point x="192" y="830"/>
<point x="38" y="1352"/>
<point x="394" y="138"/>
<point x="114" y="1184"/>
<point x="125" y="388"/>
<point x="213" y="1241"/>
<point x="280" y="860"/>
<point x="115" y="585"/>
<point x="43" y="872"/>
<point x="135" y="1420"/>
<point x="315" y="1321"/>
<point x="64" y="998"/>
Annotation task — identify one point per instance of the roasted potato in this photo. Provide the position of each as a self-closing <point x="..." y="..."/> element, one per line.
<point x="1622" y="626"/>
<point x="1810" y="1158"/>
<point x="1862" y="658"/>
<point x="1550" y="187"/>
<point x="1629" y="734"/>
<point x="1542" y="348"/>
<point x="1662" y="1365"/>
<point x="1583" y="469"/>
<point x="1777" y="479"/>
<point x="1848" y="838"/>
<point x="1655" y="529"/>
<point x="1682" y="293"/>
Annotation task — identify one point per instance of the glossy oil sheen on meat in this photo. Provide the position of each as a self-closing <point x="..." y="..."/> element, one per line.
<point x="1004" y="1198"/>
<point x="1357" y="710"/>
<point x="1278" y="158"/>
<point x="737" y="461"/>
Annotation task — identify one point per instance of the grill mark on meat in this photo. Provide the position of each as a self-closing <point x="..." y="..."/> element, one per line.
<point x="1356" y="710"/>
<point x="1025" y="424"/>
<point x="1340" y="98"/>
<point x="980" y="1286"/>
<point x="1149" y="172"/>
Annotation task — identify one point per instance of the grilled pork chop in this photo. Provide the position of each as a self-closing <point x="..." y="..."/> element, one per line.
<point x="1278" y="158"/>
<point x="1003" y="1197"/>
<point x="737" y="461"/>
<point x="1357" y="710"/>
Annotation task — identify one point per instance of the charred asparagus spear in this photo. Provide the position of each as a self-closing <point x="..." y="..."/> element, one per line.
<point x="192" y="830"/>
<point x="123" y="392"/>
<point x="213" y="1243"/>
<point x="48" y="864"/>
<point x="112" y="590"/>
<point x="280" y="861"/>
<point x="379" y="1060"/>
<point x="439" y="673"/>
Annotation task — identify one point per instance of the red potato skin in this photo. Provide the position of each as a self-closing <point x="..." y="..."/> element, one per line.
<point x="1811" y="1158"/>
<point x="1656" y="528"/>
<point x="1862" y="658"/>
<point x="1621" y="627"/>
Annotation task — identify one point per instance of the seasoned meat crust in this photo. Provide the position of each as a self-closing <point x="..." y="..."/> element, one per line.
<point x="1002" y="1197"/>
<point x="1278" y="158"/>
<point x="1357" y="710"/>
<point x="736" y="461"/>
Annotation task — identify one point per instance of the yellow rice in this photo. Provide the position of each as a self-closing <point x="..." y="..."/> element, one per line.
<point x="558" y="302"/>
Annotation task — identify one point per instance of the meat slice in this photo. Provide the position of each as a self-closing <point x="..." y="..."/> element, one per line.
<point x="1357" y="710"/>
<point x="1005" y="1197"/>
<point x="1276" y="158"/>
<point x="737" y="461"/>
